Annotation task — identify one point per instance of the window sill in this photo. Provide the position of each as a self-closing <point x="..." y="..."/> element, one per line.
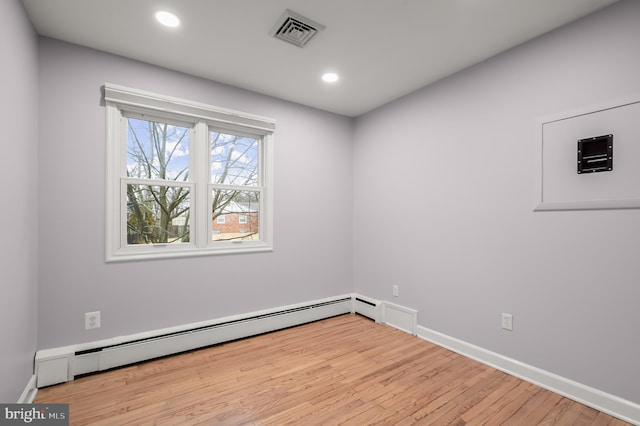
<point x="162" y="251"/>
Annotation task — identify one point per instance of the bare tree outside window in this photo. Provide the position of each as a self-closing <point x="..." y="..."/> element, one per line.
<point x="158" y="207"/>
<point x="157" y="211"/>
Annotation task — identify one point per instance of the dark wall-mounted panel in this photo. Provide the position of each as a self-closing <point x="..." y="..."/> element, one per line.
<point x="595" y="154"/>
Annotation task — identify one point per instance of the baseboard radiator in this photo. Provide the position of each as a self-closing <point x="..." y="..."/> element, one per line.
<point x="63" y="364"/>
<point x="367" y="307"/>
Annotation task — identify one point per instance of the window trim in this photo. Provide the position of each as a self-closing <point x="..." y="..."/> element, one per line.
<point x="122" y="101"/>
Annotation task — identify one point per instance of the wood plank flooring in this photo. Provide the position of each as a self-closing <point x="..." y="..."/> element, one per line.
<point x="343" y="370"/>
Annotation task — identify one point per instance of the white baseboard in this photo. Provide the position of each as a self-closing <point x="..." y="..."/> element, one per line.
<point x="29" y="392"/>
<point x="601" y="401"/>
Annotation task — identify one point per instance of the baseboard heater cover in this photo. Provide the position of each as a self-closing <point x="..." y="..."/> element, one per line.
<point x="367" y="307"/>
<point x="400" y="317"/>
<point x="62" y="364"/>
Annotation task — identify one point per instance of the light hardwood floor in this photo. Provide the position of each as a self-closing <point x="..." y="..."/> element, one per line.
<point x="342" y="370"/>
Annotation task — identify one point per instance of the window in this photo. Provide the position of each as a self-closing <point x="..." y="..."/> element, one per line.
<point x="185" y="178"/>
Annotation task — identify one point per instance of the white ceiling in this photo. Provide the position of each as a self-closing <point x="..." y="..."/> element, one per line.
<point x="382" y="49"/>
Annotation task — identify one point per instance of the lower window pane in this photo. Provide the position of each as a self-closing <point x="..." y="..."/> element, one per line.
<point x="235" y="215"/>
<point x="157" y="214"/>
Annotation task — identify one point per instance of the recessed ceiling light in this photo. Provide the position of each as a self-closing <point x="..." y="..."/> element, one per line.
<point x="330" y="77"/>
<point x="167" y="19"/>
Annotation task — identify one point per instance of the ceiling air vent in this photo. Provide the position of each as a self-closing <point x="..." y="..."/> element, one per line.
<point x="295" y="28"/>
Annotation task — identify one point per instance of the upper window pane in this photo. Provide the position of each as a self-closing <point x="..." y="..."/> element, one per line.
<point x="157" y="150"/>
<point x="234" y="159"/>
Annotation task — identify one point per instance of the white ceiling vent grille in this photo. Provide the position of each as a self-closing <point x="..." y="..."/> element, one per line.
<point x="295" y="28"/>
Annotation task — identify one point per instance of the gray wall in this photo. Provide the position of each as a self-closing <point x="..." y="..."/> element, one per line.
<point x="444" y="192"/>
<point x="19" y="206"/>
<point x="313" y="214"/>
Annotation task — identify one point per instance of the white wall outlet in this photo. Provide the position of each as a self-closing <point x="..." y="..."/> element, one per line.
<point x="395" y="291"/>
<point x="92" y="320"/>
<point x="507" y="322"/>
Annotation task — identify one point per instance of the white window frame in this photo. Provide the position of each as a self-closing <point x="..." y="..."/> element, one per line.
<point x="121" y="101"/>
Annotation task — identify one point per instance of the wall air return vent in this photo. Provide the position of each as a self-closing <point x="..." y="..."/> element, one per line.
<point x="295" y="28"/>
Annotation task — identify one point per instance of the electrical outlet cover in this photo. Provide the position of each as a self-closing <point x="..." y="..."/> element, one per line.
<point x="507" y="322"/>
<point x="92" y="320"/>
